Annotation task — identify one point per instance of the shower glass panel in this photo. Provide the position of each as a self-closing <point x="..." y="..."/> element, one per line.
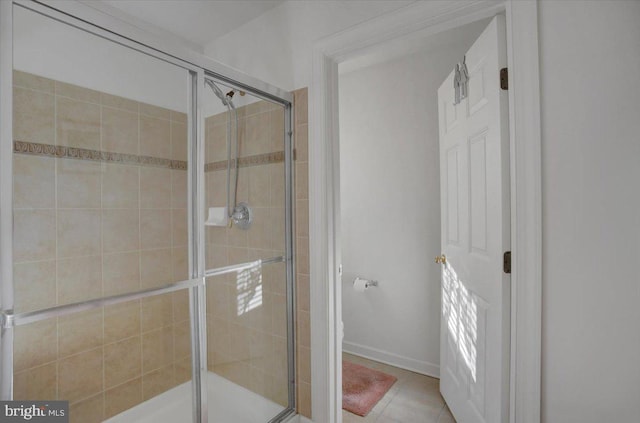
<point x="100" y="209"/>
<point x="248" y="352"/>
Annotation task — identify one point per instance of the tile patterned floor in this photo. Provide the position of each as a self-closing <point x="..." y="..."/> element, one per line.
<point x="414" y="398"/>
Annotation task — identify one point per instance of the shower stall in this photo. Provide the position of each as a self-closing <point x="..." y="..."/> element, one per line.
<point x="147" y="235"/>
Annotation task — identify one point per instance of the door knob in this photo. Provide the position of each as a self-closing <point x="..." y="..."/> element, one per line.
<point x="441" y="259"/>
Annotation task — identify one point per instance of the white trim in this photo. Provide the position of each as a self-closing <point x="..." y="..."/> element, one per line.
<point x="386" y="357"/>
<point x="421" y="19"/>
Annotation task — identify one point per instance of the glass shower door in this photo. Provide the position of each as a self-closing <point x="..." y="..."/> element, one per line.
<point x="249" y="340"/>
<point x="100" y="210"/>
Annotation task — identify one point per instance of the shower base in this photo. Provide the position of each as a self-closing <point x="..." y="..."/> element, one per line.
<point x="227" y="403"/>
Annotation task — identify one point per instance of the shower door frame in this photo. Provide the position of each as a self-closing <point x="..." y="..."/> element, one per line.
<point x="98" y="23"/>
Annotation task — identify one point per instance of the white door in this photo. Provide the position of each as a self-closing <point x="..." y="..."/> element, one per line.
<point x="474" y="172"/>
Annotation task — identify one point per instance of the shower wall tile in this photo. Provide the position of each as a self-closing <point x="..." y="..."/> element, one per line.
<point x="90" y="410"/>
<point x="80" y="376"/>
<point x="79" y="93"/>
<point x="178" y="140"/>
<point x="78" y="184"/>
<point x="77" y="124"/>
<point x="33" y="182"/>
<point x="121" y="272"/>
<point x="78" y="233"/>
<point x="79" y="279"/>
<point x="34" y="285"/>
<point x="33" y="116"/>
<point x="77" y="332"/>
<point x="96" y="224"/>
<point x="33" y="82"/>
<point x="120" y="186"/>
<point x="122" y="397"/>
<point x="155" y="137"/>
<point x="34" y="235"/>
<point x="119" y="131"/>
<point x="122" y="361"/>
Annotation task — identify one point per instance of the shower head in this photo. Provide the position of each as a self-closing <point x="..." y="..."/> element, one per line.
<point x="226" y="100"/>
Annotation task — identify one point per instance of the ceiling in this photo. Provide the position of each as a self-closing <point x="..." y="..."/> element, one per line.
<point x="197" y="21"/>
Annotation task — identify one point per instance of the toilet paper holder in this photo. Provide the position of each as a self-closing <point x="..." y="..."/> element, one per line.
<point x="368" y="282"/>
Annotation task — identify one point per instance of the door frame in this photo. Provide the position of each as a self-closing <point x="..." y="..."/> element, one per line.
<point x="421" y="19"/>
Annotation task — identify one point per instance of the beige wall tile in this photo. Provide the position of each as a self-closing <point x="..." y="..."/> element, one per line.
<point x="217" y="256"/>
<point x="120" y="230"/>
<point x="118" y="102"/>
<point x="34" y="235"/>
<point x="302" y="143"/>
<point x="179" y="189"/>
<point x="304" y="329"/>
<point x="216" y="186"/>
<point x="33" y="82"/>
<point x="259" y="186"/>
<point x="179" y="227"/>
<point x="216" y="142"/>
<point x="122" y="397"/>
<point x="157" y="312"/>
<point x="90" y="410"/>
<point x="239" y="237"/>
<point x="79" y="332"/>
<point x="302" y="181"/>
<point x="157" y="382"/>
<point x="80" y="375"/>
<point x="121" y="321"/>
<point x="155" y="268"/>
<point x="279" y="316"/>
<point x="182" y="339"/>
<point x="155" y="188"/>
<point x="302" y="218"/>
<point x="302" y="255"/>
<point x="119" y="131"/>
<point x="155" y="111"/>
<point x="155" y="228"/>
<point x="77" y="92"/>
<point x="37" y="383"/>
<point x="303" y="292"/>
<point x="34" y="285"/>
<point x="36" y="343"/>
<point x="121" y="272"/>
<point x="278" y="232"/>
<point x="261" y="231"/>
<point x="300" y="105"/>
<point x="155" y="137"/>
<point x="157" y="349"/>
<point x="304" y="364"/>
<point x="77" y="123"/>
<point x="120" y="186"/>
<point x="78" y="233"/>
<point x="178" y="141"/>
<point x="122" y="361"/>
<point x="183" y="370"/>
<point x="277" y="182"/>
<point x="304" y="399"/>
<point x="180" y="260"/>
<point x="79" y="279"/>
<point x="179" y="117"/>
<point x="33" y="182"/>
<point x="78" y="184"/>
<point x="257" y="135"/>
<point x="276" y="130"/>
<point x="33" y="116"/>
<point x="180" y="306"/>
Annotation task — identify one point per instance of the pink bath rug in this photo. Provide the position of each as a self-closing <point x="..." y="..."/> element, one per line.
<point x="362" y="387"/>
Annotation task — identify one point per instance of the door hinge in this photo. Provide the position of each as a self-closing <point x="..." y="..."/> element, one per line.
<point x="504" y="78"/>
<point x="506" y="262"/>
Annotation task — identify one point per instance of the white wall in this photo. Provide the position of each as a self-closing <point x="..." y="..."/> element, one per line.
<point x="390" y="201"/>
<point x="590" y="75"/>
<point x="276" y="47"/>
<point x="54" y="50"/>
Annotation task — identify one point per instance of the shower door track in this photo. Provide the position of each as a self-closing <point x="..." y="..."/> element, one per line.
<point x="98" y="23"/>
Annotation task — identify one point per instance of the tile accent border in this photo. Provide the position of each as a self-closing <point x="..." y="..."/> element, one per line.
<point x="257" y="160"/>
<point x="62" y="152"/>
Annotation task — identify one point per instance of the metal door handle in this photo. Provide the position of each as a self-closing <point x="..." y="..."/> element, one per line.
<point x="441" y="259"/>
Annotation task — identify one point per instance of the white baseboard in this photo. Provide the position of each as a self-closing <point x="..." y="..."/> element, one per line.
<point x="418" y="366"/>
